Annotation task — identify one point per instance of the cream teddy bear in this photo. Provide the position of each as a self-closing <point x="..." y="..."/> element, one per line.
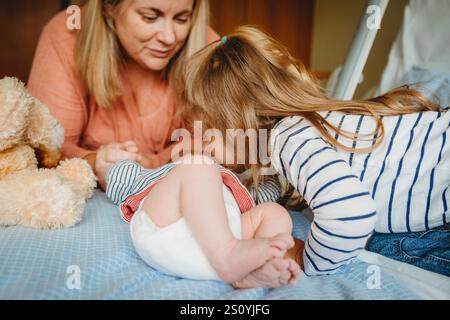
<point x="29" y="136"/>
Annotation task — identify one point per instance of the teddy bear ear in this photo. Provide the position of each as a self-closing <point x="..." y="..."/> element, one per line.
<point x="14" y="110"/>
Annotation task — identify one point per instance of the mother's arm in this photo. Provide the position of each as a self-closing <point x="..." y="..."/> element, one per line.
<point x="344" y="211"/>
<point x="54" y="82"/>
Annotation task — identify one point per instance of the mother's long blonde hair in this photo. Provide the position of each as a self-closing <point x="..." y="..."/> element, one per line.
<point x="251" y="82"/>
<point x="99" y="57"/>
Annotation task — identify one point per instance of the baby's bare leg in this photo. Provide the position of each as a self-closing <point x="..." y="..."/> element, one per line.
<point x="264" y="221"/>
<point x="195" y="192"/>
<point x="163" y="202"/>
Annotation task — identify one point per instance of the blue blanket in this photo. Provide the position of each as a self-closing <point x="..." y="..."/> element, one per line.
<point x="96" y="260"/>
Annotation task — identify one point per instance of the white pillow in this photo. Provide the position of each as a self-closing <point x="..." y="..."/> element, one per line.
<point x="424" y="41"/>
<point x="435" y="86"/>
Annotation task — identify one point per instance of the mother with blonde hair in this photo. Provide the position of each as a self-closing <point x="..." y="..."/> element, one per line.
<point x="109" y="83"/>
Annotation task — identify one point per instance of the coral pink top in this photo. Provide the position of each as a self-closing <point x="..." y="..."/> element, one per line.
<point x="54" y="81"/>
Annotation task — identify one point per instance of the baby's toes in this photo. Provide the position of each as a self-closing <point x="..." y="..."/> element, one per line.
<point x="285" y="277"/>
<point x="295" y="270"/>
<point x="282" y="241"/>
<point x="267" y="272"/>
<point x="282" y="266"/>
<point x="294" y="267"/>
<point x="275" y="251"/>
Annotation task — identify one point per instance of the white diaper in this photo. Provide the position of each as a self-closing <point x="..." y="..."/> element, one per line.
<point x="173" y="249"/>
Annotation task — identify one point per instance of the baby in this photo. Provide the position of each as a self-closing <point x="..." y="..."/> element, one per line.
<point x="195" y="219"/>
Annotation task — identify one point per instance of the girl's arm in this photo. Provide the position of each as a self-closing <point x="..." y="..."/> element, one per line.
<point x="344" y="211"/>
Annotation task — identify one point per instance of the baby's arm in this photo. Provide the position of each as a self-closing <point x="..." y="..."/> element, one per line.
<point x="120" y="179"/>
<point x="344" y="211"/>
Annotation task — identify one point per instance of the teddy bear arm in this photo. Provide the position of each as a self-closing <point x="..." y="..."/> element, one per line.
<point x="17" y="159"/>
<point x="45" y="135"/>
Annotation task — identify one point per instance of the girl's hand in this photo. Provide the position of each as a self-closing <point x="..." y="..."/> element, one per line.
<point x="108" y="155"/>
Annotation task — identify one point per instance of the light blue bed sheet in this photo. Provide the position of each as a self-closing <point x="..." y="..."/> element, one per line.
<point x="40" y="264"/>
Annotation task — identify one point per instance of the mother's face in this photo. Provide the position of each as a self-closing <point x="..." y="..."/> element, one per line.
<point x="153" y="31"/>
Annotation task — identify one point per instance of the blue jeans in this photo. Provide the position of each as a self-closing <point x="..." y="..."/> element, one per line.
<point x="428" y="250"/>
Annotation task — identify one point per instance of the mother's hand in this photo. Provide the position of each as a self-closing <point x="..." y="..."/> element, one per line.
<point x="108" y="155"/>
<point x="148" y="160"/>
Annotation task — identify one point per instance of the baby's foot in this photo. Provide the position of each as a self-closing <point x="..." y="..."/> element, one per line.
<point x="295" y="270"/>
<point x="275" y="273"/>
<point x="244" y="256"/>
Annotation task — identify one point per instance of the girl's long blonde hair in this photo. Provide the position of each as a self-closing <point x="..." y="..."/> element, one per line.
<point x="250" y="81"/>
<point x="99" y="57"/>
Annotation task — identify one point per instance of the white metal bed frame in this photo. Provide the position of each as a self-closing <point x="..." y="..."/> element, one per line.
<point x="360" y="48"/>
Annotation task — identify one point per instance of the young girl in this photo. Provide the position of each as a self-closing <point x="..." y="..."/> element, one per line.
<point x="381" y="164"/>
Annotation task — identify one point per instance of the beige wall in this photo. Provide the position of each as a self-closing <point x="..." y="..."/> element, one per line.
<point x="335" y="23"/>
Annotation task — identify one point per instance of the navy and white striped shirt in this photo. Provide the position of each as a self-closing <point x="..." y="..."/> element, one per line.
<point x="402" y="186"/>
